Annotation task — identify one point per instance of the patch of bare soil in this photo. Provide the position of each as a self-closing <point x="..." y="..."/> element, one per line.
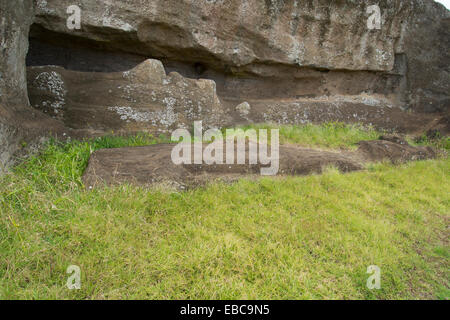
<point x="153" y="165"/>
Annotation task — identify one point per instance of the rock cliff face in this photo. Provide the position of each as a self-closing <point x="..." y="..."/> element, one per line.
<point x="21" y="127"/>
<point x="142" y="99"/>
<point x="15" y="21"/>
<point x="298" y="41"/>
<point x="280" y="61"/>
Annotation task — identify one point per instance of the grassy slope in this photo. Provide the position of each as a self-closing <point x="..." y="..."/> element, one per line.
<point x="302" y="237"/>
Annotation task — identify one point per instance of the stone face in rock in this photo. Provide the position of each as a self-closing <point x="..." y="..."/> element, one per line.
<point x="141" y="99"/>
<point x="264" y="38"/>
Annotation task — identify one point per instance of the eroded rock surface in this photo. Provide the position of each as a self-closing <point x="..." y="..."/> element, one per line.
<point x="153" y="165"/>
<point x="146" y="99"/>
<point x="20" y="125"/>
<point x="141" y="99"/>
<point x="307" y="43"/>
<point x="275" y="61"/>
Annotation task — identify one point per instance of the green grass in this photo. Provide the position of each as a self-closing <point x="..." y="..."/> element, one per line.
<point x="290" y="238"/>
<point x="328" y="135"/>
<point x="438" y="142"/>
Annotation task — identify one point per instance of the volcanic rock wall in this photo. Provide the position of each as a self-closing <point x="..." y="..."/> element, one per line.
<point x="311" y="47"/>
<point x="20" y="125"/>
<point x="141" y="99"/>
<point x="279" y="61"/>
<point x="15" y="20"/>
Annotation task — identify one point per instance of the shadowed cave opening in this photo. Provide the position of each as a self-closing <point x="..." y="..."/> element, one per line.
<point x="80" y="54"/>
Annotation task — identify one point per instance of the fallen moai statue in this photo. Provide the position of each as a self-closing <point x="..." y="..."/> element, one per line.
<point x="151" y="165"/>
